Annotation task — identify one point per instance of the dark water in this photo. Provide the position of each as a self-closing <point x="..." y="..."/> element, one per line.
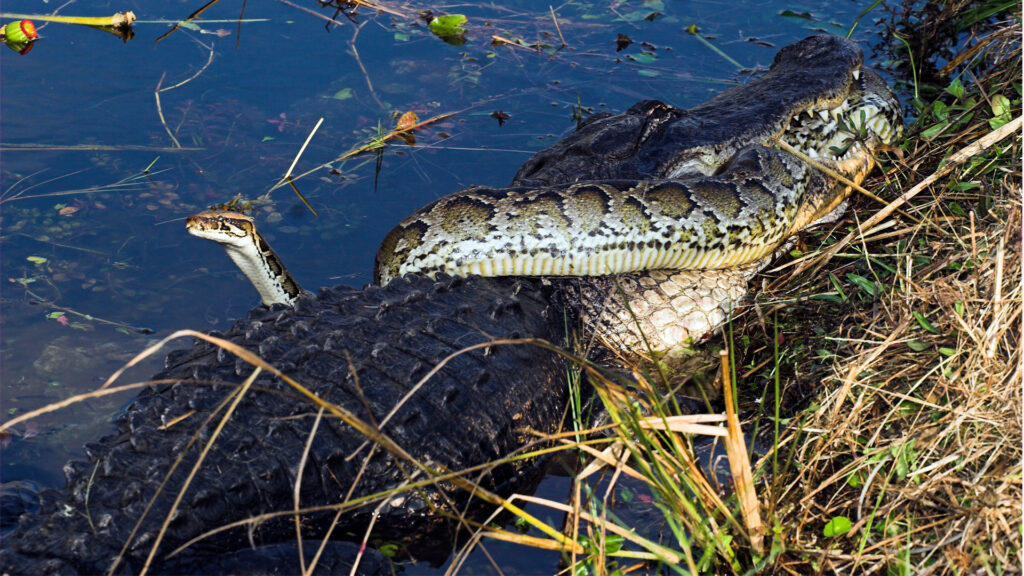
<point x="93" y="249"/>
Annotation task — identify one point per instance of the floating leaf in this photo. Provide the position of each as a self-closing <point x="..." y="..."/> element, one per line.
<point x="68" y="210"/>
<point x="449" y="27"/>
<point x="407" y="121"/>
<point x="792" y="14"/>
<point x="644" y="57"/>
<point x="36" y="260"/>
<point x="343" y="94"/>
<point x="648" y="73"/>
<point x="923" y="321"/>
<point x="837" y="526"/>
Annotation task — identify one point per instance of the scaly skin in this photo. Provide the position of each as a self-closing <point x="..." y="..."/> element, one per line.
<point x="474" y="410"/>
<point x="653" y="140"/>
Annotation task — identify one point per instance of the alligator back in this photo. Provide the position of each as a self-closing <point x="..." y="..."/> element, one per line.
<point x="474" y="410"/>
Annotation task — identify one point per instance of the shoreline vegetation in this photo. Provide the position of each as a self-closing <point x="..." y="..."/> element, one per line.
<point x="887" y="415"/>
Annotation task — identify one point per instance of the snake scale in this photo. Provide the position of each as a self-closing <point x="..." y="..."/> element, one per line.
<point x="670" y="211"/>
<point x="666" y="212"/>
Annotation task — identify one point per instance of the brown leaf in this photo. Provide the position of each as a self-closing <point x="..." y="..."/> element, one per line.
<point x="407" y="121"/>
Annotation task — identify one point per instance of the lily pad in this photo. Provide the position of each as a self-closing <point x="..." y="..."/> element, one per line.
<point x="449" y="28"/>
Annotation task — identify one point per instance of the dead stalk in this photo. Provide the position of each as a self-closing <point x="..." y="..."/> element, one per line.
<point x="739" y="464"/>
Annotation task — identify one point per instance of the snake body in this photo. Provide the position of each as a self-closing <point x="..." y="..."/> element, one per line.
<point x="755" y="199"/>
<point x="606" y="227"/>
<point x="700" y="194"/>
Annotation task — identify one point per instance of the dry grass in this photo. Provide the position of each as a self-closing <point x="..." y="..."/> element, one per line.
<point x="916" y="435"/>
<point x="899" y="365"/>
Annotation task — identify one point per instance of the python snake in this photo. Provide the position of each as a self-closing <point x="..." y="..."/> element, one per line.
<point x="711" y="205"/>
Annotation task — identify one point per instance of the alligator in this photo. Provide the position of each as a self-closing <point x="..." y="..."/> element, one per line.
<point x="360" y="351"/>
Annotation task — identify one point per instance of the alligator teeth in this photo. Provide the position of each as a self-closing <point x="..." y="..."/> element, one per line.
<point x="823" y="114"/>
<point x="856" y="74"/>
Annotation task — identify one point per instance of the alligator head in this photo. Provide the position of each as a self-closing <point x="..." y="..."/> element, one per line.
<point x="815" y="91"/>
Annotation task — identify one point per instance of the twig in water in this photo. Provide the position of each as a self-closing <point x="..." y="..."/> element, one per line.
<point x="374" y="144"/>
<point x="160" y="111"/>
<point x="366" y="76"/>
<point x="92" y="148"/>
<point x="288" y="173"/>
<point x="89" y="317"/>
<point x="209" y="60"/>
<point x="557" y="27"/>
<point x="357" y="2"/>
<point x="190" y="17"/>
<point x="692" y="30"/>
<point x="311" y="12"/>
<point x="379" y="141"/>
<point x="132" y="182"/>
<point x="159" y="89"/>
<point x="502" y="41"/>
